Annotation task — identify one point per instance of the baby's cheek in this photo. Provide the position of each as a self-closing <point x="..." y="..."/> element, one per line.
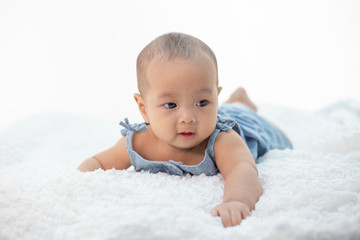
<point x="209" y="127"/>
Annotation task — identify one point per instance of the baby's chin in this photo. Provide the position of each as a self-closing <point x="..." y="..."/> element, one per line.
<point x="191" y="145"/>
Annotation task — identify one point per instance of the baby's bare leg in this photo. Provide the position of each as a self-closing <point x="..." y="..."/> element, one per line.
<point x="240" y="95"/>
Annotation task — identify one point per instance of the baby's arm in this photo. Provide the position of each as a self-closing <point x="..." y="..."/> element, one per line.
<point x="114" y="157"/>
<point x="242" y="185"/>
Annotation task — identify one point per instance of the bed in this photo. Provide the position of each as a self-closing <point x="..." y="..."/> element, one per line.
<point x="311" y="192"/>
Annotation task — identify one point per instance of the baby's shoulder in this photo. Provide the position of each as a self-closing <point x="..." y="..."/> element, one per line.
<point x="227" y="140"/>
<point x="143" y="142"/>
<point x="140" y="138"/>
<point x="230" y="149"/>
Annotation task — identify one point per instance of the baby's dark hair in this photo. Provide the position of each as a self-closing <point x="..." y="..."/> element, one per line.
<point x="168" y="47"/>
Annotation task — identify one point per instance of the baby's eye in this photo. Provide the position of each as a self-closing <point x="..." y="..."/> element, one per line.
<point x="170" y="105"/>
<point x="202" y="103"/>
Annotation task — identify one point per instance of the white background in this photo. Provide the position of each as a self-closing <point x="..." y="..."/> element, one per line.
<point x="78" y="56"/>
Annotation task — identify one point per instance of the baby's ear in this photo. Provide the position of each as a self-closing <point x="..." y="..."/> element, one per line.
<point x="141" y="105"/>
<point x="219" y="90"/>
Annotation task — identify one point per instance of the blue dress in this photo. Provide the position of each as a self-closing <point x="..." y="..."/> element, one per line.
<point x="259" y="135"/>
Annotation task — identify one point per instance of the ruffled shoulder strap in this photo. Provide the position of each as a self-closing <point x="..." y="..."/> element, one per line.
<point x="225" y="123"/>
<point x="131" y="127"/>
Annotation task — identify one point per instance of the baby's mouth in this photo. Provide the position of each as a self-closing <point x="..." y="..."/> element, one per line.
<point x="187" y="135"/>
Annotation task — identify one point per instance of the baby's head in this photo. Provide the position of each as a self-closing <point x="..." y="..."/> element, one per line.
<point x="178" y="82"/>
<point x="169" y="47"/>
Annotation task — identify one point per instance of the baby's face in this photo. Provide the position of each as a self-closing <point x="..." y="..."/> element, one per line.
<point x="181" y="101"/>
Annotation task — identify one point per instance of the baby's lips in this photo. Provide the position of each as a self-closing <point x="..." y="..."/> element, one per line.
<point x="186" y="133"/>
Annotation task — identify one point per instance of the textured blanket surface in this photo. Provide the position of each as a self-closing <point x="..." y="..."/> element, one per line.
<point x="311" y="192"/>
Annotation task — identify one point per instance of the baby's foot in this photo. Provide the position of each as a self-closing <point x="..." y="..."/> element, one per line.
<point x="241" y="96"/>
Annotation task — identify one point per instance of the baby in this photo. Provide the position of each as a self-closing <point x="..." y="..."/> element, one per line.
<point x="186" y="132"/>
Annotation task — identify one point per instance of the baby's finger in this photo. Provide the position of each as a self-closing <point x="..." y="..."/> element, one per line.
<point x="225" y="217"/>
<point x="245" y="213"/>
<point x="214" y="212"/>
<point x="236" y="217"/>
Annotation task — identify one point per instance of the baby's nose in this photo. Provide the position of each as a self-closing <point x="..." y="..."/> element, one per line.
<point x="187" y="116"/>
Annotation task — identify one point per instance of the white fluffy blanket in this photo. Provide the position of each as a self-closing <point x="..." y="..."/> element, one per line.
<point x="311" y="192"/>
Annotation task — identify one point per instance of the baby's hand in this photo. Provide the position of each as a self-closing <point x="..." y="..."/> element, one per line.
<point x="231" y="212"/>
